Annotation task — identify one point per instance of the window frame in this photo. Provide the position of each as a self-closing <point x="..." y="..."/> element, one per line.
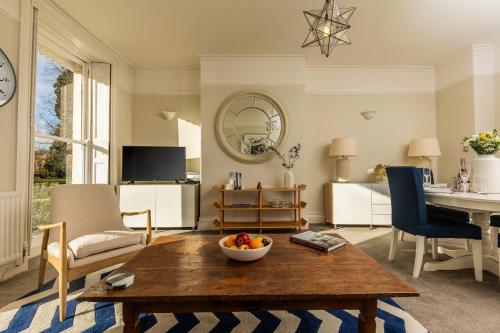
<point x="87" y="111"/>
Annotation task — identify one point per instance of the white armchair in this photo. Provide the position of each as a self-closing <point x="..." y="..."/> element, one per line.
<point x="87" y="234"/>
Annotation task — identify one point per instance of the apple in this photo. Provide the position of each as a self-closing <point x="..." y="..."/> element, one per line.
<point x="243" y="238"/>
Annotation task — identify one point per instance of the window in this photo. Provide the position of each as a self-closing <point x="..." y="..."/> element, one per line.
<point x="71" y="125"/>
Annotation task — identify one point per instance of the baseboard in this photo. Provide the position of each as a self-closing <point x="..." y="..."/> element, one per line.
<point x="11" y="270"/>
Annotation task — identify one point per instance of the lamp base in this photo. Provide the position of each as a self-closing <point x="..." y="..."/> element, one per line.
<point x="343" y="170"/>
<point x="424" y="162"/>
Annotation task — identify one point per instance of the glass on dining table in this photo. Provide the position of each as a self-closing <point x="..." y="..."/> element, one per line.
<point x="427" y="177"/>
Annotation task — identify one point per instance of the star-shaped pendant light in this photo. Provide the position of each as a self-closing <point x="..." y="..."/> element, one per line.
<point x="328" y="27"/>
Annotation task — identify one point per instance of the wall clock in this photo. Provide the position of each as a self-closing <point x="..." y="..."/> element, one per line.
<point x="7" y="79"/>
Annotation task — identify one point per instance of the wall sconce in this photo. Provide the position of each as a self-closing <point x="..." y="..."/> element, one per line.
<point x="168" y="115"/>
<point x="368" y="115"/>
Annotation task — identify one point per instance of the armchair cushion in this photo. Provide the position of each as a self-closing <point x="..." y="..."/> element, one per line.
<point x="105" y="255"/>
<point x="95" y="243"/>
<point x="53" y="250"/>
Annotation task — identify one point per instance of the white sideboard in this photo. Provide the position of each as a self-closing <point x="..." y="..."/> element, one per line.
<point x="172" y="206"/>
<point x="358" y="204"/>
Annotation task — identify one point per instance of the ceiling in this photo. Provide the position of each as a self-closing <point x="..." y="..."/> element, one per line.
<point x="155" y="34"/>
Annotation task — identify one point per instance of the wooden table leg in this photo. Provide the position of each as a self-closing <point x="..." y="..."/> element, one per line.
<point x="130" y="318"/>
<point x="367" y="315"/>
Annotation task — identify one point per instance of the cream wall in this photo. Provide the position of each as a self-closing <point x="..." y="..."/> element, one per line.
<point x="216" y="165"/>
<point x="384" y="139"/>
<point x="314" y="120"/>
<point x="467" y="101"/>
<point x="9" y="43"/>
<point x="319" y="108"/>
<point x="149" y="128"/>
<point x="157" y="90"/>
<point x="454" y="121"/>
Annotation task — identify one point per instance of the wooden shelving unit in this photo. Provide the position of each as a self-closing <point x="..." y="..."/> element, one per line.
<point x="259" y="206"/>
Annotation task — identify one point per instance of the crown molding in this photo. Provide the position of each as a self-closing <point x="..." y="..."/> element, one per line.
<point x="66" y="25"/>
<point x="360" y="68"/>
<point x="370" y="80"/>
<point x="233" y="56"/>
<point x="10" y="8"/>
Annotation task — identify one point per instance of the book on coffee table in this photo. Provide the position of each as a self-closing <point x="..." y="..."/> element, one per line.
<point x="315" y="240"/>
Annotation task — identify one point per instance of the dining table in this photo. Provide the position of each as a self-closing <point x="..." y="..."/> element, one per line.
<point x="481" y="207"/>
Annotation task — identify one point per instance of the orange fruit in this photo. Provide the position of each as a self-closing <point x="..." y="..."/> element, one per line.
<point x="230" y="241"/>
<point x="256" y="243"/>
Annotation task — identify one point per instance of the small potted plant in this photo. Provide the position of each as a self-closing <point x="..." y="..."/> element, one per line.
<point x="288" y="163"/>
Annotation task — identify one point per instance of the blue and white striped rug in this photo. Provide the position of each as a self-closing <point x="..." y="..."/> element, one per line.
<point x="38" y="312"/>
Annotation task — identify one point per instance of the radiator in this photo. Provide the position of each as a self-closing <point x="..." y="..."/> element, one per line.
<point x="11" y="227"/>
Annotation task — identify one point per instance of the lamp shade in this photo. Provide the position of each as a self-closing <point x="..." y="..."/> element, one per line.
<point x="343" y="147"/>
<point x="424" y="147"/>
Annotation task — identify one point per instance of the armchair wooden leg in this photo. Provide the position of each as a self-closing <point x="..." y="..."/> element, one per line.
<point x="43" y="258"/>
<point x="419" y="256"/>
<point x="41" y="271"/>
<point x="434" y="248"/>
<point x="401" y="235"/>
<point x="477" y="255"/>
<point x="499" y="264"/>
<point x="394" y="244"/>
<point x="63" y="272"/>
<point x="63" y="289"/>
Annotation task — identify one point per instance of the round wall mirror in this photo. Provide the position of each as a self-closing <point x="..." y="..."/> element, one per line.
<point x="248" y="124"/>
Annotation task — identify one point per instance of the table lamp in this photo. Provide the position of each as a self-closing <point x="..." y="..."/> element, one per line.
<point x="343" y="149"/>
<point x="424" y="149"/>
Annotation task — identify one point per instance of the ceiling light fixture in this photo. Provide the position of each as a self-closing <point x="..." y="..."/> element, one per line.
<point x="328" y="27"/>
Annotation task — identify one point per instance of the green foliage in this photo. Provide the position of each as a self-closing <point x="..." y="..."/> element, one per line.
<point x="484" y="143"/>
<point x="51" y="162"/>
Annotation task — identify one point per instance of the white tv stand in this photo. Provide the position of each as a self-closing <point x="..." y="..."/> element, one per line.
<point x="172" y="205"/>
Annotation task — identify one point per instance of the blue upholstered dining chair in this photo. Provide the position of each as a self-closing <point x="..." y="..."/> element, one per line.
<point x="495" y="227"/>
<point x="446" y="212"/>
<point x="409" y="214"/>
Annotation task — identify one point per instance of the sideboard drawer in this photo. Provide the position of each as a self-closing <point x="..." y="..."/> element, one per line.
<point x="381" y="194"/>
<point x="381" y="210"/>
<point x="381" y="219"/>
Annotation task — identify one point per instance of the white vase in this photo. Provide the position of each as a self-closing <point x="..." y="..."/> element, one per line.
<point x="289" y="179"/>
<point x="486" y="168"/>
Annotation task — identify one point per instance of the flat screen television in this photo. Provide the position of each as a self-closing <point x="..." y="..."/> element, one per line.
<point x="141" y="163"/>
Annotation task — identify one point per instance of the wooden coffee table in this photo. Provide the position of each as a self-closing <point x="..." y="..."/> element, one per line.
<point x="189" y="273"/>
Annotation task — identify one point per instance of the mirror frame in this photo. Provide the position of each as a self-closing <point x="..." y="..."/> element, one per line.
<point x="219" y="127"/>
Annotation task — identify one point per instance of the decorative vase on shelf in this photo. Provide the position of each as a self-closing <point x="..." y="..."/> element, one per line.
<point x="486" y="168"/>
<point x="289" y="179"/>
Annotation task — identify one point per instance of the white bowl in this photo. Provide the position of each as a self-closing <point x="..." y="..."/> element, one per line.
<point x="246" y="255"/>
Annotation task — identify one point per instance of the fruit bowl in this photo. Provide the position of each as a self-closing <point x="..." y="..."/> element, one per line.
<point x="246" y="253"/>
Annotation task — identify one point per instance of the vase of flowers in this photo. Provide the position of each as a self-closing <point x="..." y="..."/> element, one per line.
<point x="484" y="143"/>
<point x="485" y="167"/>
<point x="288" y="163"/>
